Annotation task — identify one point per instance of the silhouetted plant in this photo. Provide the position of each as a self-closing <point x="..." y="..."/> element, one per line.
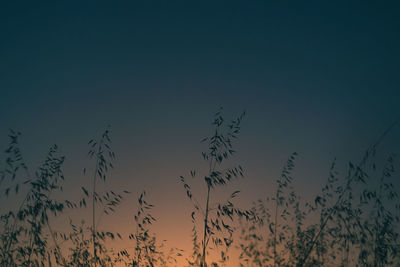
<point x="81" y="248"/>
<point x="353" y="221"/>
<point x="283" y="223"/>
<point x="103" y="155"/>
<point x="100" y="150"/>
<point x="24" y="241"/>
<point x="146" y="250"/>
<point x="217" y="219"/>
<point x="356" y="223"/>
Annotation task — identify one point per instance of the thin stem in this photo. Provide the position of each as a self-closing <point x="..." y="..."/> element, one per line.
<point x="31" y="244"/>
<point x="275" y="225"/>
<point x="94" y="217"/>
<point x="207" y="210"/>
<point x="56" y="243"/>
<point x="94" y="204"/>
<point x="203" y="260"/>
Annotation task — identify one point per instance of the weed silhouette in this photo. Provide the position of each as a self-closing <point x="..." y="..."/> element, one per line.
<point x="352" y="221"/>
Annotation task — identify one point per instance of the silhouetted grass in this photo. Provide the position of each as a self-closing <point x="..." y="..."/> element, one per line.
<point x="352" y="221"/>
<point x="217" y="220"/>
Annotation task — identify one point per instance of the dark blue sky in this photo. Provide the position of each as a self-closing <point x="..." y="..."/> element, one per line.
<point x="320" y="78"/>
<point x="168" y="56"/>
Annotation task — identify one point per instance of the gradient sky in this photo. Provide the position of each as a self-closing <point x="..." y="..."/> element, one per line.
<point x="320" y="78"/>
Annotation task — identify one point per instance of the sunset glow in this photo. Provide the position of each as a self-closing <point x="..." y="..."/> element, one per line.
<point x="170" y="133"/>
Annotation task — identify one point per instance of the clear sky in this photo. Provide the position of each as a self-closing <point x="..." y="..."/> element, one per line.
<point x="317" y="77"/>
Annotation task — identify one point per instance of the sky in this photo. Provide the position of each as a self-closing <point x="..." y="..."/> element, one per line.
<point x="316" y="77"/>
